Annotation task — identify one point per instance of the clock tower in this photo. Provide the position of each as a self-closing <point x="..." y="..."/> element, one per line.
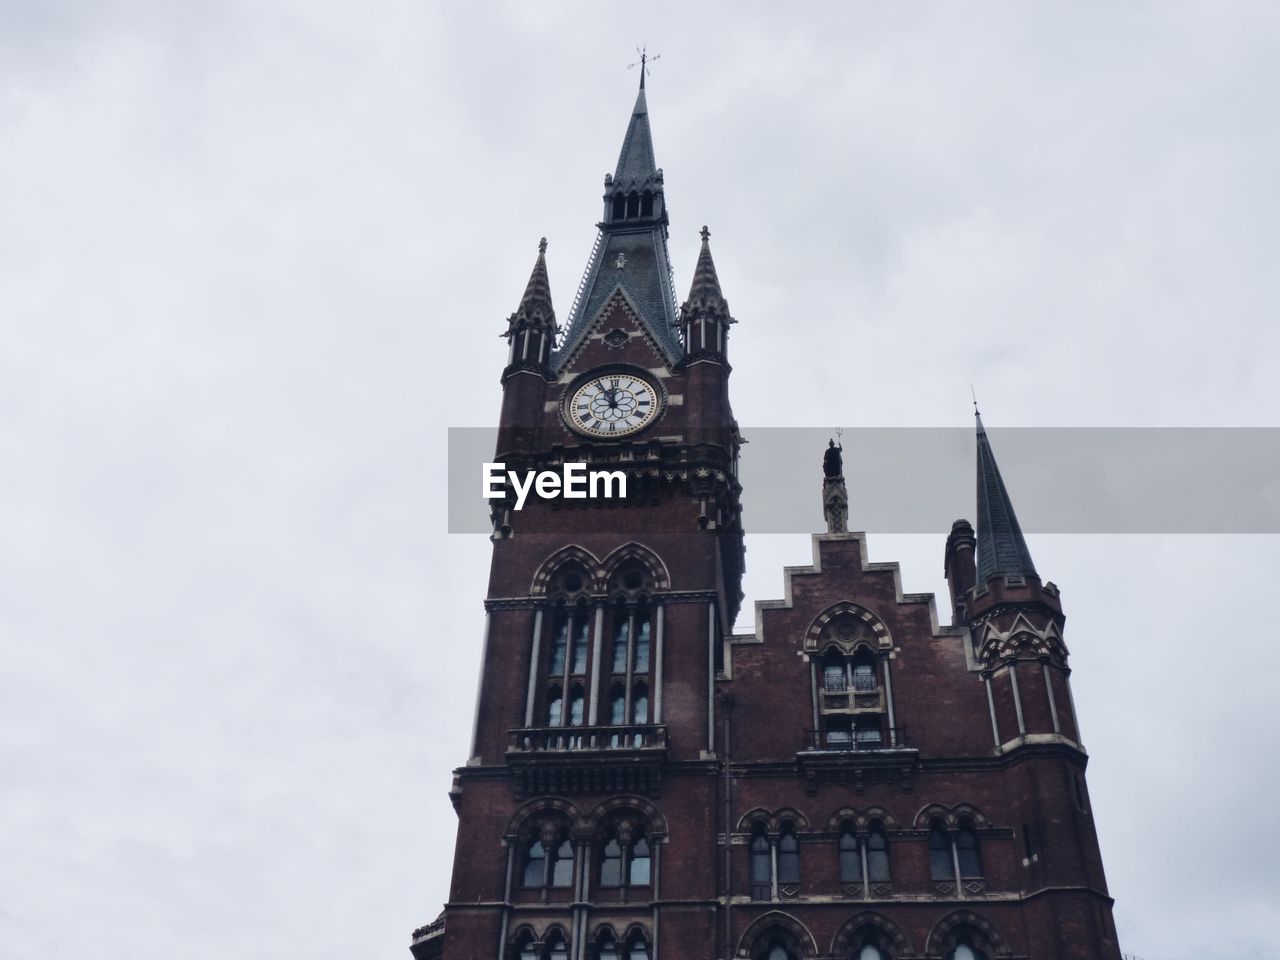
<point x="852" y="779"/>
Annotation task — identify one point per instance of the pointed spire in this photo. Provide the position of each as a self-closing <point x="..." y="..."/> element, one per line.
<point x="1002" y="550"/>
<point x="536" y="302"/>
<point x="532" y="329"/>
<point x="705" y="290"/>
<point x="636" y="162"/>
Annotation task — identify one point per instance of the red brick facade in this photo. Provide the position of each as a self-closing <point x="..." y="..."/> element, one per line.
<point x="853" y="780"/>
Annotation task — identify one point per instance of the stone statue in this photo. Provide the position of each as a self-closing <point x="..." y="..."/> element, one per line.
<point x="832" y="460"/>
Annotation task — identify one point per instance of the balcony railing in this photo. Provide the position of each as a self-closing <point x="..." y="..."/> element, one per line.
<point x="840" y="683"/>
<point x="601" y="739"/>
<point x="857" y="741"/>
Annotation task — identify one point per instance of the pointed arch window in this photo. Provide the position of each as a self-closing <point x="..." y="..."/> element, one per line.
<point x="877" y="855"/>
<point x="633" y="205"/>
<point x="641" y="664"/>
<point x="850" y="856"/>
<point x="559" y="643"/>
<point x="535" y="863"/>
<point x="640" y="704"/>
<point x="611" y="862"/>
<point x="562" y="864"/>
<point x="526" y="947"/>
<point x="761" y="864"/>
<point x="967" y="856"/>
<point x="621" y="631"/>
<point x="941" y="865"/>
<point x="555" y="706"/>
<point x="788" y="855"/>
<point x="639" y="869"/>
<point x="646" y="204"/>
<point x="619" y="206"/>
<point x="637" y="948"/>
<point x="607" y="947"/>
<point x="557" y="949"/>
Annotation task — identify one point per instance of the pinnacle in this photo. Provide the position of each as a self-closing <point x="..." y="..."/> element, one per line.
<point x="536" y="301"/>
<point x="1002" y="550"/>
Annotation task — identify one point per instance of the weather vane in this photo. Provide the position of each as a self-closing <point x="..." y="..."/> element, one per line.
<point x="643" y="62"/>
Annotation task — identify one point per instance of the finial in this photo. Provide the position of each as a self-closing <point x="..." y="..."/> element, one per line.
<point x="705" y="233"/>
<point x="643" y="62"/>
<point x="974" y="394"/>
<point x="542" y="245"/>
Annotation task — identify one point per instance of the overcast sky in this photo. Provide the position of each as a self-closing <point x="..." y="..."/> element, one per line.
<point x="255" y="258"/>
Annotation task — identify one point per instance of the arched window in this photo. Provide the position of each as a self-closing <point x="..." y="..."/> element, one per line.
<point x="642" y="641"/>
<point x="535" y="863"/>
<point x="559" y="642"/>
<point x="777" y="950"/>
<point x="621" y="627"/>
<point x="870" y="952"/>
<point x="850" y="856"/>
<point x="788" y="856"/>
<point x="834" y="676"/>
<point x="941" y="866"/>
<point x="555" y="706"/>
<point x="617" y="705"/>
<point x="640" y="863"/>
<point x="864" y="670"/>
<point x="526" y="947"/>
<point x="619" y="206"/>
<point x="967" y="851"/>
<point x="575" y="707"/>
<point x="637" y="949"/>
<point x="557" y="949"/>
<point x="562" y="864"/>
<point x="761" y="865"/>
<point x="646" y="204"/>
<point x="611" y="862"/>
<point x="607" y="947"/>
<point x="640" y="704"/>
<point x="581" y="626"/>
<point x="877" y="855"/>
<point x="633" y="205"/>
<point x="965" y="951"/>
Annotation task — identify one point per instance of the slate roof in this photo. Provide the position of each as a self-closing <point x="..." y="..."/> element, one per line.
<point x="1002" y="550"/>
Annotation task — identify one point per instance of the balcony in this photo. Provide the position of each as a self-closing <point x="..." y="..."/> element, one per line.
<point x="855" y="757"/>
<point x="622" y="758"/>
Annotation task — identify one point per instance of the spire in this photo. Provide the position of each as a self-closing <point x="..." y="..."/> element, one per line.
<point x="531" y="330"/>
<point x="631" y="250"/>
<point x="705" y="315"/>
<point x="536" y="301"/>
<point x="635" y="162"/>
<point x="1002" y="551"/>
<point x="705" y="290"/>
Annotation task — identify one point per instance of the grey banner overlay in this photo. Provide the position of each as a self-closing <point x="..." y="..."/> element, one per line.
<point x="918" y="480"/>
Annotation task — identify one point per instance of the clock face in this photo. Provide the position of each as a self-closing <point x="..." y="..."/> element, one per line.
<point x="614" y="405"/>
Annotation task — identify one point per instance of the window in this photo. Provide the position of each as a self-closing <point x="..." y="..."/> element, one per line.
<point x="581" y="624"/>
<point x="864" y="671"/>
<point x="607" y="947"/>
<point x="621" y="629"/>
<point x="866" y="733"/>
<point x="640" y="863"/>
<point x="535" y="863"/>
<point x="850" y="856"/>
<point x="642" y="643"/>
<point x="611" y="863"/>
<point x="967" y="852"/>
<point x="555" y="707"/>
<point x="640" y="704"/>
<point x="619" y="207"/>
<point x="637" y="949"/>
<point x="761" y="865"/>
<point x="788" y="856"/>
<point x="877" y="855"/>
<point x="559" y="643"/>
<point x="617" y="706"/>
<point x="940" y="864"/>
<point x="557" y="949"/>
<point x="625" y="858"/>
<point x="870" y="952"/>
<point x="575" y="707"/>
<point x="526" y="948"/>
<point x="646" y="204"/>
<point x="633" y="205"/>
<point x="562" y="865"/>
<point x="965" y="951"/>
